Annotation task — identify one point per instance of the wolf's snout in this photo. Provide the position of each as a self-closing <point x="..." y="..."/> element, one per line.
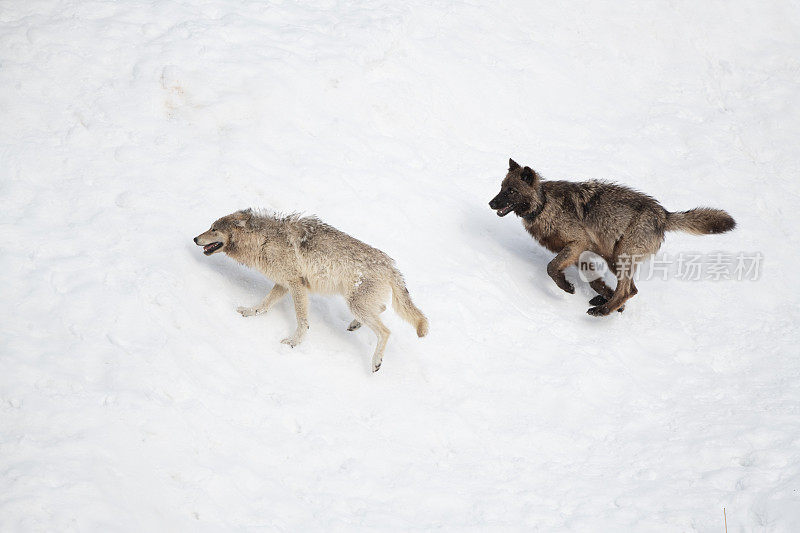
<point x="502" y="205"/>
<point x="208" y="247"/>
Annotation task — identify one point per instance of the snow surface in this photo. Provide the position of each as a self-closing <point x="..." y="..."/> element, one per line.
<point x="134" y="398"/>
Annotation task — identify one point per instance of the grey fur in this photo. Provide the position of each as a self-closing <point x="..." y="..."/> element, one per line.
<point x="302" y="255"/>
<point x="611" y="220"/>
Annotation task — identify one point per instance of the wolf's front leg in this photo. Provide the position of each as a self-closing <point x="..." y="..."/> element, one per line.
<point x="300" y="298"/>
<point x="277" y="292"/>
<point x="568" y="256"/>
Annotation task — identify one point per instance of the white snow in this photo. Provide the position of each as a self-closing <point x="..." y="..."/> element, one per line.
<point x="133" y="397"/>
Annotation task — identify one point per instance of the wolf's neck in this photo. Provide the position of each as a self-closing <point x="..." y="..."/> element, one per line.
<point x="244" y="250"/>
<point x="537" y="205"/>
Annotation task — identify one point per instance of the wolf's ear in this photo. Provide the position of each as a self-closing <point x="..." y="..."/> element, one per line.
<point x="243" y="217"/>
<point x="528" y="175"/>
<point x="512" y="165"/>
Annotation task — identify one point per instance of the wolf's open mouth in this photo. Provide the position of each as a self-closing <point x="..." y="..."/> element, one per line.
<point x="209" y="249"/>
<point x="503" y="211"/>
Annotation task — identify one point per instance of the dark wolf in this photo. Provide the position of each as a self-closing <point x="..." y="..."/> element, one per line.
<point x="621" y="225"/>
<point x="302" y="255"/>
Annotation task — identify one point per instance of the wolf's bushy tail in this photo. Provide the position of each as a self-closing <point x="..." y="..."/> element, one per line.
<point x="700" y="221"/>
<point x="402" y="304"/>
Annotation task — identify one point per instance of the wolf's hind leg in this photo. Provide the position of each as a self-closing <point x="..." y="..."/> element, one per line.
<point x="300" y="298"/>
<point x="601" y="288"/>
<point x="601" y="298"/>
<point x="277" y="292"/>
<point x="375" y="324"/>
<point x="604" y="292"/>
<point x="629" y="250"/>
<point x="366" y="305"/>
<point x="568" y="256"/>
<point x="624" y="291"/>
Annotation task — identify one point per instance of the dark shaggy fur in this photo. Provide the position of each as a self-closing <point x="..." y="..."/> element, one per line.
<point x="619" y="224"/>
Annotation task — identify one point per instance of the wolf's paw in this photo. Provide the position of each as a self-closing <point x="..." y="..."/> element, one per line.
<point x="354" y="325"/>
<point x="377" y="359"/>
<point x="599" y="310"/>
<point x="598" y="300"/>
<point x="568" y="287"/>
<point x="248" y="311"/>
<point x="291" y="341"/>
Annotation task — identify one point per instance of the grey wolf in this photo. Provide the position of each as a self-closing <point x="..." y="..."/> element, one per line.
<point x="302" y="255"/>
<point x="621" y="225"/>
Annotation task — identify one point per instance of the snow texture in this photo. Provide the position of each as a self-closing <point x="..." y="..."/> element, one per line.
<point x="133" y="397"/>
